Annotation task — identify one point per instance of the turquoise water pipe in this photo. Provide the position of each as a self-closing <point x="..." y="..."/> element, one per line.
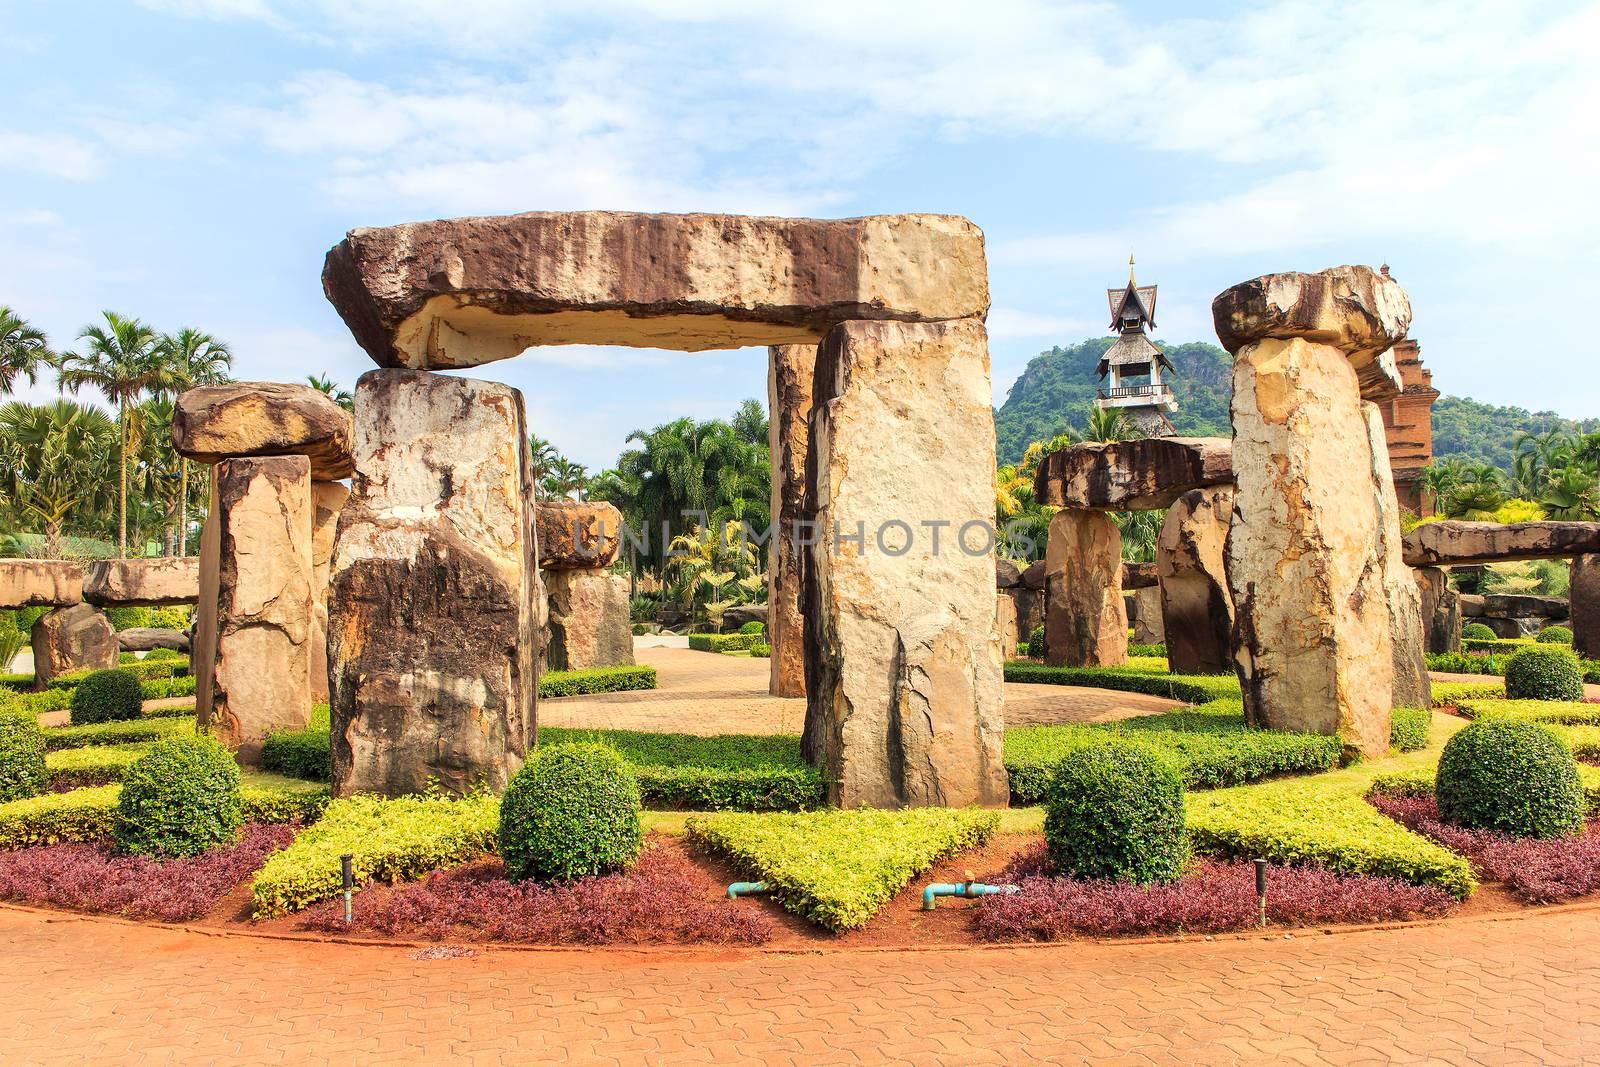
<point x="744" y="889"/>
<point x="961" y="889"/>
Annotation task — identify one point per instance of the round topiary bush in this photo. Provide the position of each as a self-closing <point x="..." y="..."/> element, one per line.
<point x="179" y="799"/>
<point x="105" y="696"/>
<point x="22" y="770"/>
<point x="1555" y="635"/>
<point x="1115" y="811"/>
<point x="754" y="626"/>
<point x="1477" y="631"/>
<point x="1549" y="673"/>
<point x="155" y="655"/>
<point x="1036" y="646"/>
<point x="1510" y="775"/>
<point x="571" y="811"/>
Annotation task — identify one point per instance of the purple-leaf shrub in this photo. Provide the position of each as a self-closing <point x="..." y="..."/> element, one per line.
<point x="94" y="878"/>
<point x="1537" y="870"/>
<point x="1210" y="897"/>
<point x="660" y="900"/>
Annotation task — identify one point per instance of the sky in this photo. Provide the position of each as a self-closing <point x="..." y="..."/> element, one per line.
<point x="190" y="162"/>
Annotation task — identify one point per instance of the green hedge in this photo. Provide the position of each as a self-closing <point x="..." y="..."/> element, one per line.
<point x="1210" y="745"/>
<point x="1304" y="821"/>
<point x="60" y="699"/>
<point x="1453" y="693"/>
<point x="22" y="755"/>
<point x="596" y="680"/>
<point x="571" y="812"/>
<point x="1506" y="645"/>
<point x="1461" y="663"/>
<point x="144" y="670"/>
<point x="837" y="868"/>
<point x="1544" y="672"/>
<point x="1572" y="713"/>
<point x="1420" y="781"/>
<point x="1191" y="688"/>
<point x="88" y="814"/>
<point x="146" y="728"/>
<point x="1408" y="728"/>
<point x="1512" y="776"/>
<point x="722" y="642"/>
<point x="391" y="841"/>
<point x="1115" y="813"/>
<point x="92" y="764"/>
<point x="180" y="798"/>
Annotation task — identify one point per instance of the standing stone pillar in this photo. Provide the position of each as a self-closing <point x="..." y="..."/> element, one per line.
<point x="1195" y="601"/>
<point x="903" y="663"/>
<point x="253" y="646"/>
<point x="431" y="620"/>
<point x="74" y="638"/>
<point x="327" y="500"/>
<point x="1085" y="619"/>
<point x="1411" y="686"/>
<point x="1304" y="559"/>
<point x="588" y="621"/>
<point x="790" y="369"/>
<point x="1149" y="628"/>
<point x="1583" y="601"/>
<point x="1441" y="610"/>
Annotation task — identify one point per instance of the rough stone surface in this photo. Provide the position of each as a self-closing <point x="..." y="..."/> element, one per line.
<point x="1085" y="620"/>
<point x="1139" y="575"/>
<point x="1455" y="543"/>
<point x="790" y="370"/>
<point x="1524" y="605"/>
<point x="432" y="623"/>
<point x="74" y="638"/>
<point x="1471" y="605"/>
<point x="327" y="501"/>
<point x="1355" y="309"/>
<point x="577" y="534"/>
<point x="903" y="659"/>
<point x="1441" y="610"/>
<point x="1583" y="593"/>
<point x="1144" y="474"/>
<point x="1404" y="601"/>
<point x="258" y="645"/>
<point x="1007" y="575"/>
<point x="148" y="582"/>
<point x="1149" y="628"/>
<point x="33" y="583"/>
<point x="1303" y="561"/>
<point x="1033" y="575"/>
<point x="739" y="614"/>
<point x="462" y="292"/>
<point x="1196" y="604"/>
<point x="1005" y="612"/>
<point x="145" y="638"/>
<point x="588" y="621"/>
<point x="216" y="422"/>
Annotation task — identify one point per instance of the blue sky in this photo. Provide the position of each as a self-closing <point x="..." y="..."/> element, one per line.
<point x="191" y="161"/>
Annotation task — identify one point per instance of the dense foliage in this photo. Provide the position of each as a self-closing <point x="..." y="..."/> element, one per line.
<point x="1478" y="631"/>
<point x="1511" y="775"/>
<point x="106" y="696"/>
<point x="22" y="768"/>
<point x="179" y="799"/>
<point x="1555" y="635"/>
<point x="145" y="728"/>
<point x="1544" y="673"/>
<point x="571" y="811"/>
<point x="589" y="680"/>
<point x="88" y="814"/>
<point x="1115" y="812"/>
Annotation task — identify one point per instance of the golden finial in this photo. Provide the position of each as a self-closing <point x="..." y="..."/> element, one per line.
<point x="1130" y="269"/>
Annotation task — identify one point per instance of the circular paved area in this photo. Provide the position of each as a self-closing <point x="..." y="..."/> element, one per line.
<point x="1513" y="991"/>
<point x="707" y="693"/>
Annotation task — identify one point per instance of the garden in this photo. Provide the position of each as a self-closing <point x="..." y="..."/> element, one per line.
<point x="1156" y="825"/>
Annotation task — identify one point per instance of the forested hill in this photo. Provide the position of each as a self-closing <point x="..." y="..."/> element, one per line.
<point x="1058" y="387"/>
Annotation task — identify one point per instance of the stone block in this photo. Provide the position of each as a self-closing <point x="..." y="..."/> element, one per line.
<point x="1143" y="474"/>
<point x="73" y="638"/>
<point x="432" y="631"/>
<point x="143" y="582"/>
<point x="216" y="422"/>
<point x="577" y="534"/>
<point x="790" y="373"/>
<point x="1085" y="620"/>
<point x="1196" y="604"/>
<point x="588" y="620"/>
<point x="35" y="583"/>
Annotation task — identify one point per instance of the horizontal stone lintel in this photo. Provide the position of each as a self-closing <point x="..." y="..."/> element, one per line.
<point x="1456" y="543"/>
<point x="1145" y="474"/>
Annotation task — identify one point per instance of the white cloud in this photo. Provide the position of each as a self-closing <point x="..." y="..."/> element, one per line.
<point x="54" y="155"/>
<point x="1006" y="323"/>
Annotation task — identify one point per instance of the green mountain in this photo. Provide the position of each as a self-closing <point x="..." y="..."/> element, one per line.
<point x="1058" y="388"/>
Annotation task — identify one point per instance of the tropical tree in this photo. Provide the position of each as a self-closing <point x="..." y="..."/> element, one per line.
<point x="54" y="461"/>
<point x="122" y="359"/>
<point x="676" y="469"/>
<point x="713" y="568"/>
<point x="1108" y="424"/>
<point x="564" y="478"/>
<point x="23" y="350"/>
<point x="327" y="386"/>
<point x="194" y="358"/>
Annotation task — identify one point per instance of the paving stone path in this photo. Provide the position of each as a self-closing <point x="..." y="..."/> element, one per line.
<point x="1518" y="991"/>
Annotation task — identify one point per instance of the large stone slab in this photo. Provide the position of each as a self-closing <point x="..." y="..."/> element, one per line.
<point x="1149" y="627"/>
<point x="74" y="638"/>
<point x="1145" y="474"/>
<point x="577" y="534"/>
<point x="463" y="292"/>
<point x="1085" y="619"/>
<point x="903" y="659"/>
<point x="1314" y="647"/>
<point x="790" y="370"/>
<point x="33" y="583"/>
<point x="147" y="582"/>
<point x="1400" y="593"/>
<point x="432" y="623"/>
<point x="1139" y="574"/>
<point x="588" y="621"/>
<point x="216" y="422"/>
<point x="1583" y="593"/>
<point x="1441" y="610"/>
<point x="1523" y="606"/>
<point x="1196" y="604"/>
<point x="327" y="501"/>
<point x="1456" y="543"/>
<point x="147" y="638"/>
<point x="256" y="598"/>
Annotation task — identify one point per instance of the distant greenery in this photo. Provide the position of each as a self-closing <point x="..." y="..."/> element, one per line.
<point x="1485" y="433"/>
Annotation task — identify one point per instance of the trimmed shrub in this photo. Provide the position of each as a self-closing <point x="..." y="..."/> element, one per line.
<point x="157" y="655"/>
<point x="122" y="732"/>
<point x="761" y="651"/>
<point x="1548" y="673"/>
<point x="1454" y="693"/>
<point x="571" y="811"/>
<point x="1564" y="712"/>
<point x="1116" y="813"/>
<point x="179" y="799"/>
<point x="721" y="642"/>
<point x="835" y="867"/>
<point x="92" y="764"/>
<point x="1137" y="651"/>
<point x="595" y="680"/>
<point x="88" y="814"/>
<point x="1555" y="635"/>
<point x="107" y="696"/>
<point x="1510" y="775"/>
<point x="754" y="626"/>
<point x="1408" y="728"/>
<point x="1150" y="678"/>
<point x="1478" y="631"/>
<point x="1462" y="663"/>
<point x="22" y="769"/>
<point x="1036" y="643"/>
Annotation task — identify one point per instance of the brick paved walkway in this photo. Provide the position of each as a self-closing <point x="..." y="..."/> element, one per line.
<point x="705" y="693"/>
<point x="1527" y="990"/>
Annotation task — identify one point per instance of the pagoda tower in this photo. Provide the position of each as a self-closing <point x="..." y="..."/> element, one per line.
<point x="1130" y="371"/>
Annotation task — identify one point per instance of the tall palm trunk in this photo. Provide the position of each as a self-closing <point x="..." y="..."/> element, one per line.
<point x="183" y="507"/>
<point x="122" y="489"/>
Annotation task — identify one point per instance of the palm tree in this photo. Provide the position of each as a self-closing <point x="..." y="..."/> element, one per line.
<point x="1108" y="424"/>
<point x="23" y="350"/>
<point x="53" y="462"/>
<point x="564" y="477"/>
<point x="121" y="360"/>
<point x="326" y="385"/>
<point x="195" y="358"/>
